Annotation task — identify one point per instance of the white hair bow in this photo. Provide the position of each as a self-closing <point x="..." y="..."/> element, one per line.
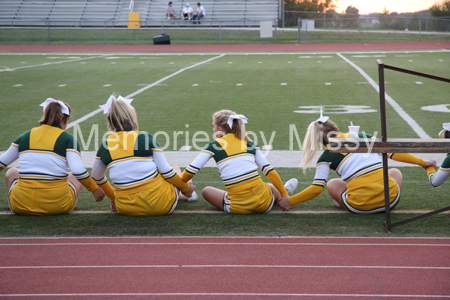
<point x="239" y="117"/>
<point x="107" y="106"/>
<point x="446" y="127"/>
<point x="322" y="119"/>
<point x="64" y="108"/>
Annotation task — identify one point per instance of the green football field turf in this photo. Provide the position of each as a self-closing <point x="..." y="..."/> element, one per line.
<point x="205" y="36"/>
<point x="175" y="96"/>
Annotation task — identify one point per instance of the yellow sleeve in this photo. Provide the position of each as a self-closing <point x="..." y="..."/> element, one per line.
<point x="407" y="158"/>
<point x="275" y="179"/>
<point x="179" y="183"/>
<point x="309" y="193"/>
<point x="107" y="188"/>
<point x="186" y="176"/>
<point x="89" y="184"/>
<point x="430" y="173"/>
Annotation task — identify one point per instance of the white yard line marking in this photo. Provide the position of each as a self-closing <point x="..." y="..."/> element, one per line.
<point x="236" y="53"/>
<point x="52" y="63"/>
<point x="185" y="148"/>
<point x="411" y="122"/>
<point x="368" y="56"/>
<point x="382" y="296"/>
<point x="225" y="266"/>
<point x="84" y="118"/>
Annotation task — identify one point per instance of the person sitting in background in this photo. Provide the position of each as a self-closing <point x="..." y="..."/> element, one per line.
<point x="200" y="12"/>
<point x="187" y="12"/>
<point x="439" y="177"/>
<point x="170" y="12"/>
<point x="43" y="185"/>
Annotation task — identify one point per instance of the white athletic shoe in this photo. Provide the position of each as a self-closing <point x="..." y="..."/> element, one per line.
<point x="291" y="185"/>
<point x="337" y="204"/>
<point x="194" y="197"/>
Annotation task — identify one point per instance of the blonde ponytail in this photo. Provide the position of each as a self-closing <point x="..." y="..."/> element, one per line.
<point x="122" y="116"/>
<point x="318" y="133"/>
<point x="310" y="145"/>
<point x="220" y="118"/>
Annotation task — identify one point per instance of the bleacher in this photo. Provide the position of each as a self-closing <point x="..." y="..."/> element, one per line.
<point x="115" y="12"/>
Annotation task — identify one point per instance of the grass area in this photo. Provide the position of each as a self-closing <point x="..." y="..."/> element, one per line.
<point x="219" y="225"/>
<point x="177" y="105"/>
<point x="416" y="194"/>
<point x="185" y="36"/>
<point x="185" y="102"/>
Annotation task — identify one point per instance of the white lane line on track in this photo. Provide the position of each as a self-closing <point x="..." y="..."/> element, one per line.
<point x="227" y="243"/>
<point x="411" y="122"/>
<point x="224" y="266"/>
<point x="52" y="63"/>
<point x="227" y="294"/>
<point x="84" y="118"/>
<point x="292" y="212"/>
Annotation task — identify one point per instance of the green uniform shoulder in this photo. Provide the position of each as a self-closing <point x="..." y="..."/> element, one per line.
<point x="66" y="141"/>
<point x="334" y="159"/>
<point x="446" y="163"/>
<point x="23" y="141"/>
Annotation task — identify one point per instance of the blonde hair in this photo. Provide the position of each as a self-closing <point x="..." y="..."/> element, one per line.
<point x="220" y="118"/>
<point x="317" y="133"/>
<point x="444" y="134"/>
<point x="121" y="116"/>
<point x="53" y="114"/>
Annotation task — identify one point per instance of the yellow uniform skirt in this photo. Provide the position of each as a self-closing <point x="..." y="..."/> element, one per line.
<point x="365" y="194"/>
<point x="155" y="198"/>
<point x="38" y="197"/>
<point x="252" y="197"/>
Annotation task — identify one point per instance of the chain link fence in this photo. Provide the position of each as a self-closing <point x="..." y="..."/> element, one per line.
<point x="371" y="22"/>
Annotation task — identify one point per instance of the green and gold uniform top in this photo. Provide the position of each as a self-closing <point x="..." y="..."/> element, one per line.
<point x="443" y="173"/>
<point x="134" y="159"/>
<point x="47" y="153"/>
<point x="238" y="162"/>
<point x="348" y="166"/>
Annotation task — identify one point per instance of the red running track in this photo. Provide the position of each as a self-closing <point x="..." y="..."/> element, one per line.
<point x="226" y="48"/>
<point x="225" y="268"/>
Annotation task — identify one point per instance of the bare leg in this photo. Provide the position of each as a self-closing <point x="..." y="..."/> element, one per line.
<point x="178" y="170"/>
<point x="10" y="176"/>
<point x="214" y="196"/>
<point x="335" y="188"/>
<point x="276" y="193"/>
<point x="76" y="183"/>
<point x="397" y="175"/>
